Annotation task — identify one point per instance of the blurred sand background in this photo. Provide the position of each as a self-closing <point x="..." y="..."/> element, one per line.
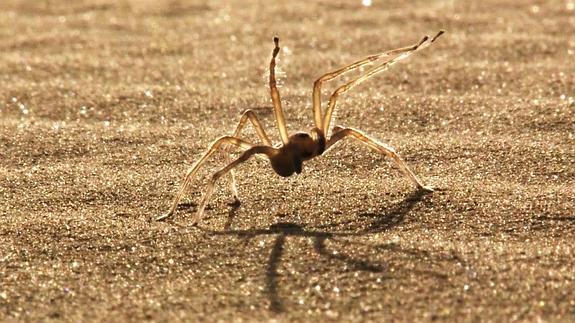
<point x="105" y="104"/>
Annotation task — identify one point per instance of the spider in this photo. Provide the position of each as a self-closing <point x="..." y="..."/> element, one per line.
<point x="287" y="157"/>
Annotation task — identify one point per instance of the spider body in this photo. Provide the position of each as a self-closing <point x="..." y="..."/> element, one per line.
<point x="288" y="157"/>
<point x="300" y="147"/>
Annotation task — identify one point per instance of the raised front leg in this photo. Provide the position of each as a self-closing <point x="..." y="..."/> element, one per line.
<point x="402" y="54"/>
<point x="275" y="94"/>
<point x="317" y="111"/>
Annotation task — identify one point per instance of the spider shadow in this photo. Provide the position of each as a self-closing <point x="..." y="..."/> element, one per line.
<point x="186" y="206"/>
<point x="389" y="218"/>
<point x="193" y="207"/>
<point x="231" y="214"/>
<point x="385" y="220"/>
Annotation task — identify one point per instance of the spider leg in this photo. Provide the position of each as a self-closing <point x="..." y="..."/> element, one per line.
<point x="380" y="148"/>
<point x="276" y="95"/>
<point x="232" y="178"/>
<point x="268" y="151"/>
<point x="192" y="172"/>
<point x="253" y="118"/>
<point x="402" y="54"/>
<point x="317" y="111"/>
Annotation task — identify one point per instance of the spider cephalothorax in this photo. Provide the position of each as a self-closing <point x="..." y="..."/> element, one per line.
<point x="288" y="157"/>
<point x="300" y="147"/>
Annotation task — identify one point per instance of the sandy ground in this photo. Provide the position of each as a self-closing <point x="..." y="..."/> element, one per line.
<point x="105" y="104"/>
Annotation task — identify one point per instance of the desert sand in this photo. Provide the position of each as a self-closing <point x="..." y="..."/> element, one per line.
<point x="105" y="104"/>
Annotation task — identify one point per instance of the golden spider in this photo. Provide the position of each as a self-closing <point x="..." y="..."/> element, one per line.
<point x="288" y="157"/>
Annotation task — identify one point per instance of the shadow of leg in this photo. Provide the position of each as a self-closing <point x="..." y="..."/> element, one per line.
<point x="231" y="215"/>
<point x="187" y="206"/>
<point x="272" y="275"/>
<point x="357" y="264"/>
<point x="396" y="214"/>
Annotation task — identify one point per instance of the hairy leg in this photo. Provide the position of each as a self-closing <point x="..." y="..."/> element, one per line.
<point x="317" y="111"/>
<point x="402" y="54"/>
<point x="279" y="114"/>
<point x="192" y="172"/>
<point x="268" y="151"/>
<point x="380" y="148"/>
<point x="253" y="118"/>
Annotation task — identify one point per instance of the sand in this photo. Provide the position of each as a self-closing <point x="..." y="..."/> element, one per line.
<point x="105" y="104"/>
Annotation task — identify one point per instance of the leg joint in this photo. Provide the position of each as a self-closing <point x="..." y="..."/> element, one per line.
<point x="249" y="112"/>
<point x="225" y="138"/>
<point x="216" y="176"/>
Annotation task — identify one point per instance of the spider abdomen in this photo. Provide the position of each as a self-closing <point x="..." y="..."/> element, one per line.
<point x="283" y="164"/>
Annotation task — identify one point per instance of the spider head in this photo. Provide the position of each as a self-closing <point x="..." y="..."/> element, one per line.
<point x="302" y="147"/>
